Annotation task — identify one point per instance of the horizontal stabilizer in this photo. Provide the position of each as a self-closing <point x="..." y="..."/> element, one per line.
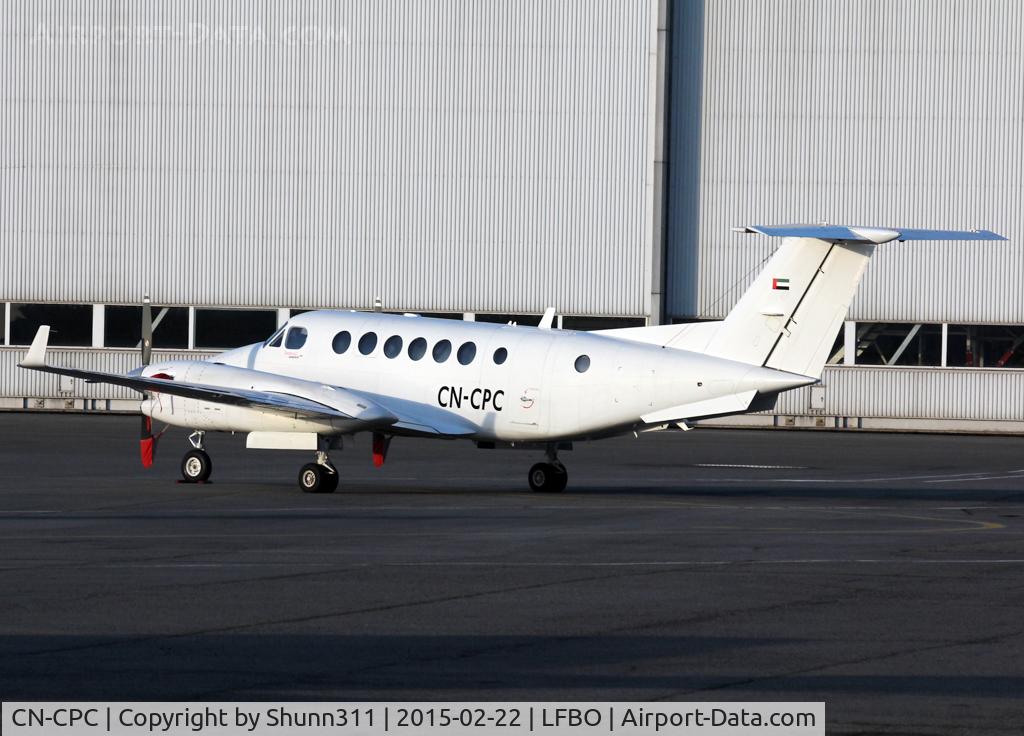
<point x="857" y="234"/>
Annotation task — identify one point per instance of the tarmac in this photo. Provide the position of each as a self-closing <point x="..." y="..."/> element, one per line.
<point x="880" y="573"/>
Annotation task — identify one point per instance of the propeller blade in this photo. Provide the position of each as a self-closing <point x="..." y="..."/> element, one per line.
<point x="147" y="443"/>
<point x="147" y="331"/>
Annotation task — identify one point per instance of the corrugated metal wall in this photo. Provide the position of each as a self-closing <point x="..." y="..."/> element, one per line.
<point x="915" y="393"/>
<point x="852" y="111"/>
<point x="439" y="154"/>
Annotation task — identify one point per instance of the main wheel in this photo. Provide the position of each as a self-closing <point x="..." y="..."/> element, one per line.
<point x="548" y="478"/>
<point x="314" y="478"/>
<point x="196" y="466"/>
<point x="561" y="479"/>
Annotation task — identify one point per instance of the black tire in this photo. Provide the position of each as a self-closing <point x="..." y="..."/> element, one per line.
<point x="330" y="482"/>
<point x="314" y="478"/>
<point x="196" y="466"/>
<point x="547" y="478"/>
<point x="560" y="479"/>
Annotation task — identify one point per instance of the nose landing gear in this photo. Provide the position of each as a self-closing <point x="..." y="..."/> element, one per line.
<point x="196" y="466"/>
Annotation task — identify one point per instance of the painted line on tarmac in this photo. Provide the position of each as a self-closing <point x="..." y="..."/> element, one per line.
<point x="943" y="478"/>
<point x="751" y="467"/>
<point x="1015" y="474"/>
<point x="708" y="563"/>
<point x="557" y="564"/>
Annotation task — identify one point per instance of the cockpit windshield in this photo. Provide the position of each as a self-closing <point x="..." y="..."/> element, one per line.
<point x="274" y="341"/>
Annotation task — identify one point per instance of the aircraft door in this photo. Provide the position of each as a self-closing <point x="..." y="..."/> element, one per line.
<point x="526" y="409"/>
<point x="526" y="403"/>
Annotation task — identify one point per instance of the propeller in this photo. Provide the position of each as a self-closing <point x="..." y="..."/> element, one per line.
<point x="147" y="442"/>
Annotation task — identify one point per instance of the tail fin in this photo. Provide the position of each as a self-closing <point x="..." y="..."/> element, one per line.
<point x="792" y="312"/>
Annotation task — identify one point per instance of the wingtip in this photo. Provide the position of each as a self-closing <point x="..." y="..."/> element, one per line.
<point x="36" y="357"/>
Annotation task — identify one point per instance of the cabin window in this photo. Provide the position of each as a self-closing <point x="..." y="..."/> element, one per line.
<point x="582" y="363"/>
<point x="417" y="348"/>
<point x="393" y="346"/>
<point x="467" y="351"/>
<point x="500" y="355"/>
<point x="441" y="351"/>
<point x="341" y="342"/>
<point x="296" y="338"/>
<point x="367" y="343"/>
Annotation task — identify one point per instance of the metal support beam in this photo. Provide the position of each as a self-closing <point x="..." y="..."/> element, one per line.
<point x="945" y="344"/>
<point x="658" y="223"/>
<point x="847" y="352"/>
<point x="903" y="345"/>
<point x="98" y="323"/>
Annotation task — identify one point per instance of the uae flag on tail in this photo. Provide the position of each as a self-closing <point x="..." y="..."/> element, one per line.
<point x="780" y="284"/>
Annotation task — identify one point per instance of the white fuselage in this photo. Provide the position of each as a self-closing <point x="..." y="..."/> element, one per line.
<point x="537" y="393"/>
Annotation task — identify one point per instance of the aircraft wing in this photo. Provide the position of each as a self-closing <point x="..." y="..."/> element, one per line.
<point x="400" y="416"/>
<point x="268" y="400"/>
<point x="418" y="419"/>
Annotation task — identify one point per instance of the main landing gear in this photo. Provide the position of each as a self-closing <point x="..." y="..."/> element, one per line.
<point x="550" y="476"/>
<point x="196" y="466"/>
<point x="320" y="476"/>
<point x="316" y="477"/>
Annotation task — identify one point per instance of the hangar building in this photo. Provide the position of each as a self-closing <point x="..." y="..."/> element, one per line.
<point x="487" y="160"/>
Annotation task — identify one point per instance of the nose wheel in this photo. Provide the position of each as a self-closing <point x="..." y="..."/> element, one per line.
<point x="548" y="477"/>
<point x="196" y="466"/>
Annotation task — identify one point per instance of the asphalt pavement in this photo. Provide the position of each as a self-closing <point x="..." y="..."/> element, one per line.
<point x="881" y="573"/>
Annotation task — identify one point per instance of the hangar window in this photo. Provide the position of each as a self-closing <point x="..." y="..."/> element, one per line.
<point x="500" y="356"/>
<point x="467" y="351"/>
<point x="341" y="342"/>
<point x="986" y="346"/>
<point x="232" y="328"/>
<point x="367" y="343"/>
<point x="417" y="348"/>
<point x="582" y="363"/>
<point x="70" y="324"/>
<point x="393" y="346"/>
<point x="122" y="327"/>
<point x="441" y="351"/>
<point x="296" y="338"/>
<point x="883" y="343"/>
<point x="907" y="344"/>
